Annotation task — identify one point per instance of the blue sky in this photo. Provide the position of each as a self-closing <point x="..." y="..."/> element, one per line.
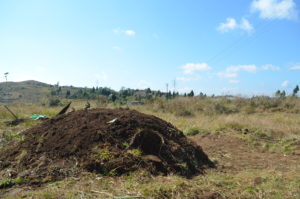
<point x="245" y="47"/>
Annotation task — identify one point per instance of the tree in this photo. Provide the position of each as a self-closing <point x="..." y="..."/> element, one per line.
<point x="168" y="95"/>
<point x="56" y="85"/>
<point x="59" y="90"/>
<point x="278" y="93"/>
<point x="191" y="94"/>
<point x="148" y="90"/>
<point x="68" y="93"/>
<point x="112" y="97"/>
<point x="295" y="91"/>
<point x="202" y="95"/>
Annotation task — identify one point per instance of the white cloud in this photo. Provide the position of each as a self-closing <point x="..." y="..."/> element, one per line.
<point x="295" y="67"/>
<point x="232" y="71"/>
<point x="270" y="67"/>
<point x="246" y="26"/>
<point x="227" y="74"/>
<point x="247" y="68"/>
<point x="231" y="24"/>
<point x="274" y="9"/>
<point x="124" y="32"/>
<point x="190" y="68"/>
<point x="285" y="83"/>
<point x="234" y="81"/>
<point x="129" y="32"/>
<point x="228" y="26"/>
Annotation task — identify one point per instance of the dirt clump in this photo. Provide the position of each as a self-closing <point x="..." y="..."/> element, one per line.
<point x="105" y="141"/>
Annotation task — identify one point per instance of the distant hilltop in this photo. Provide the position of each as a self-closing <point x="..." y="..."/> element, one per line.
<point x="35" y="91"/>
<point x="24" y="83"/>
<point x="25" y="90"/>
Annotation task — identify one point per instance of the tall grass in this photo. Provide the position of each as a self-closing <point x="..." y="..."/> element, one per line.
<point x="189" y="106"/>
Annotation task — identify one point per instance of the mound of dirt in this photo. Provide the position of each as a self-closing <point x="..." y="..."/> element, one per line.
<point x="106" y="141"/>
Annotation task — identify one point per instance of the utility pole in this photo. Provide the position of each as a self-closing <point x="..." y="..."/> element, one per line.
<point x="174" y="85"/>
<point x="167" y="85"/>
<point x="5" y="75"/>
<point x="6" y="87"/>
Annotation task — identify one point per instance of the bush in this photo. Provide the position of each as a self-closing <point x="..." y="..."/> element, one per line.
<point x="54" y="102"/>
<point x="222" y="109"/>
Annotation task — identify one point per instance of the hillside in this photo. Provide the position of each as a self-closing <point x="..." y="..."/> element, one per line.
<point x="34" y="91"/>
<point x="25" y="90"/>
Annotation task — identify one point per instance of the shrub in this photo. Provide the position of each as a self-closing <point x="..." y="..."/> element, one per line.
<point x="54" y="102"/>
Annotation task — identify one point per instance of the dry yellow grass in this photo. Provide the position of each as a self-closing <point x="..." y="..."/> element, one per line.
<point x="264" y="132"/>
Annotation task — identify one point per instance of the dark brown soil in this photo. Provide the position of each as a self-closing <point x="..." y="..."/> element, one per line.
<point x="106" y="141"/>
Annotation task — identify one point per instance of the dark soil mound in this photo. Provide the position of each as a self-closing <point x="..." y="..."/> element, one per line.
<point x="107" y="141"/>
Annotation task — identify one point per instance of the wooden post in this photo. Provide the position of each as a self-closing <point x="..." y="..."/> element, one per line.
<point x="11" y="112"/>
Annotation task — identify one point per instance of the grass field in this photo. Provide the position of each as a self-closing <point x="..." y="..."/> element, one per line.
<point x="255" y="144"/>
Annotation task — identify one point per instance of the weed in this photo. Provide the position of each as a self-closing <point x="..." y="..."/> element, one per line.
<point x="19" y="180"/>
<point x="103" y="154"/>
<point x="192" y="131"/>
<point x="6" y="183"/>
<point x="126" y="145"/>
<point x="135" y="152"/>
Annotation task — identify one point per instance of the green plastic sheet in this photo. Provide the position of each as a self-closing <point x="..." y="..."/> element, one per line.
<point x="37" y="117"/>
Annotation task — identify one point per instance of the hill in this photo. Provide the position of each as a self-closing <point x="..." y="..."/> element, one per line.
<point x="34" y="91"/>
<point x="25" y="90"/>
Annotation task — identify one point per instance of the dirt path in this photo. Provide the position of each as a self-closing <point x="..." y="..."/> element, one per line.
<point x="233" y="154"/>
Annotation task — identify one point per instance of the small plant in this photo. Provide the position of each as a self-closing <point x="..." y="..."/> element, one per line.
<point x="104" y="154"/>
<point x="192" y="131"/>
<point x="126" y="145"/>
<point x="6" y="183"/>
<point x="9" y="136"/>
<point x="135" y="152"/>
<point x="19" y="180"/>
<point x="233" y="125"/>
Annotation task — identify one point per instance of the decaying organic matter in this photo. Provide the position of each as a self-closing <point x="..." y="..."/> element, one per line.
<point x="106" y="141"/>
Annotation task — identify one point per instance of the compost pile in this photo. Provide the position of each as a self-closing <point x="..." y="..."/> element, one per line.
<point x="105" y="141"/>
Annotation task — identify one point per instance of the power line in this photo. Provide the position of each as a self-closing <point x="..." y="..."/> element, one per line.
<point x="262" y="28"/>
